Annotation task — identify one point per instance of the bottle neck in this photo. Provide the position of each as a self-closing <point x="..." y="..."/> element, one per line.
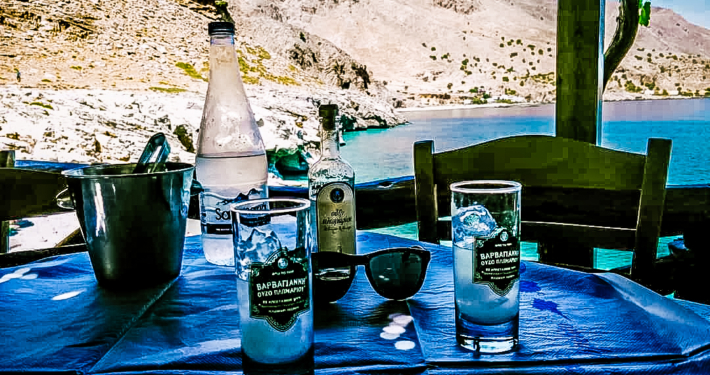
<point x="329" y="144"/>
<point x="227" y="126"/>
<point x="222" y="53"/>
<point x="221" y="39"/>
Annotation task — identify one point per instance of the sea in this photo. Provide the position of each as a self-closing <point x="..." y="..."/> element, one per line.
<point x="385" y="153"/>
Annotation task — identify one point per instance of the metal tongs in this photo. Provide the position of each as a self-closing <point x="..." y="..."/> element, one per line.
<point x="157" y="145"/>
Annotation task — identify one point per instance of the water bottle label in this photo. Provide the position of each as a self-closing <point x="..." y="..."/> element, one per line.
<point x="279" y="288"/>
<point x="215" y="214"/>
<point x="335" y="218"/>
<point x="496" y="261"/>
<point x="216" y="228"/>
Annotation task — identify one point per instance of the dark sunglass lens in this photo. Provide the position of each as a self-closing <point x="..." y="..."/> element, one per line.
<point x="332" y="277"/>
<point x="330" y="285"/>
<point x="396" y="275"/>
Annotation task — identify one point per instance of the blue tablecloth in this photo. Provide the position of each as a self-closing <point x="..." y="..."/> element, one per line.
<point x="54" y="318"/>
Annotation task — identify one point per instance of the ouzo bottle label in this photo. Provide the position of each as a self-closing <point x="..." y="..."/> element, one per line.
<point x="335" y="216"/>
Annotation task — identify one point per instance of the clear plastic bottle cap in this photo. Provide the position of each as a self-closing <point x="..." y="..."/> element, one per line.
<point x="220" y="28"/>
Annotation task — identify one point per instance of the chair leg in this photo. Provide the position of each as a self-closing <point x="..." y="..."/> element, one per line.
<point x="4" y="237"/>
<point x="74" y="238"/>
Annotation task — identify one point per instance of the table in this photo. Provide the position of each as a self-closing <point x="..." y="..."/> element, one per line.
<point x="56" y="319"/>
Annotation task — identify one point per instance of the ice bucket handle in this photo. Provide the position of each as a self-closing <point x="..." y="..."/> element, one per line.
<point x="196" y="187"/>
<point x="64" y="200"/>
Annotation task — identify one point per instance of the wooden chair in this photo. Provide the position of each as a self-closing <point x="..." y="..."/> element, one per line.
<point x="30" y="193"/>
<point x="563" y="180"/>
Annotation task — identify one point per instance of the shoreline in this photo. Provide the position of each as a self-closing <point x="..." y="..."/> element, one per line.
<point x="524" y="105"/>
<point x="466" y="106"/>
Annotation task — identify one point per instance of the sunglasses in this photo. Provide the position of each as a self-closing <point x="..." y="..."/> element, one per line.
<point x="396" y="273"/>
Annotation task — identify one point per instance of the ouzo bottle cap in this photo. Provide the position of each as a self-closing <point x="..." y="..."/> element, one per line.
<point x="328" y="112"/>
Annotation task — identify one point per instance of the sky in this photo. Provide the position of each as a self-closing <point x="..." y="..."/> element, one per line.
<point x="695" y="11"/>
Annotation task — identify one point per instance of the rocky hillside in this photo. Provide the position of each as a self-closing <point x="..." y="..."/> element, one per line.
<point x="98" y="77"/>
<point x="670" y="57"/>
<point x="430" y="49"/>
<point x="160" y="45"/>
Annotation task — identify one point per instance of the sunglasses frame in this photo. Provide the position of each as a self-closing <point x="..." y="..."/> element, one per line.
<point x="353" y="261"/>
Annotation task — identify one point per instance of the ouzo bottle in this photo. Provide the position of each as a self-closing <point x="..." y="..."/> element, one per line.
<point x="231" y="161"/>
<point x="331" y="189"/>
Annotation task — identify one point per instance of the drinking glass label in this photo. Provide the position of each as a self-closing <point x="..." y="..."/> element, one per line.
<point x="497" y="249"/>
<point x="278" y="288"/>
<point x="497" y="262"/>
<point x="335" y="212"/>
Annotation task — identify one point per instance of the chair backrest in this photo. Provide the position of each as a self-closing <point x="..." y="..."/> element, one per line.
<point x="553" y="166"/>
<point x="30" y="193"/>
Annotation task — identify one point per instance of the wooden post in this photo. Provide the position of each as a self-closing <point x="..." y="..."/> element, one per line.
<point x="580" y="69"/>
<point x="578" y="112"/>
<point x="425" y="192"/>
<point x="7" y="160"/>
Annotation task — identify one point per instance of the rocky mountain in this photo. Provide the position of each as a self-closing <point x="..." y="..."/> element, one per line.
<point x="427" y="50"/>
<point x="91" y="80"/>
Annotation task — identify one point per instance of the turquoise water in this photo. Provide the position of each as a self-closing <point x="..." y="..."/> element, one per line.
<point x="382" y="153"/>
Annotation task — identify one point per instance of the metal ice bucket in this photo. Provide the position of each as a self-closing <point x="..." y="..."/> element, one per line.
<point x="133" y="224"/>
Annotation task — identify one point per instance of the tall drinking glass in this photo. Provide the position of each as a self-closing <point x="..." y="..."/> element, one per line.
<point x="485" y="219"/>
<point x="272" y="250"/>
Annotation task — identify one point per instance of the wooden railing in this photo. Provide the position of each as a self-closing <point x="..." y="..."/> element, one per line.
<point x="390" y="202"/>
